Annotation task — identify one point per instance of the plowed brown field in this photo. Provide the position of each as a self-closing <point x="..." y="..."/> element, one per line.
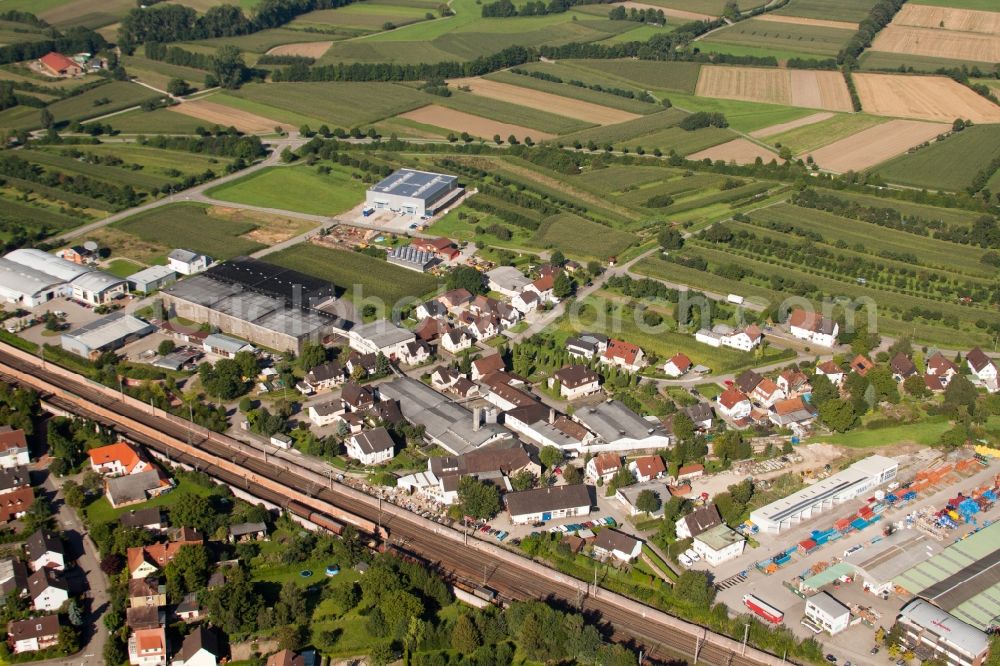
<point x="459" y="121"/>
<point x="807" y="88"/>
<point x="740" y="151"/>
<point x="875" y="145"/>
<point x="219" y="114"/>
<point x="923" y="97"/>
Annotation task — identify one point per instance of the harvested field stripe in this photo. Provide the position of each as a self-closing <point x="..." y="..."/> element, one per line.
<point x="798" y="20"/>
<point x="875" y="145"/>
<point x="219" y="114"/>
<point x="948" y="18"/>
<point x="536" y="99"/>
<point x="922" y="97"/>
<point x="304" y="49"/>
<point x="741" y="151"/>
<point x="791" y="124"/>
<point x="937" y="43"/>
<point x="806" y="88"/>
<point x="459" y="121"/>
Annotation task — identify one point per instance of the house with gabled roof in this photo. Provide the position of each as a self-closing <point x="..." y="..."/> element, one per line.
<point x="624" y="355"/>
<point x="902" y="367"/>
<point x="792" y="412"/>
<point x="455" y="341"/>
<point x="861" y="365"/>
<point x="371" y="447"/>
<point x="813" y="327"/>
<point x="33" y="634"/>
<point x="575" y="381"/>
<point x="117" y="459"/>
<point x="148" y="647"/>
<point x="941" y="368"/>
<point x="46" y="591"/>
<point x="603" y="467"/>
<point x="44" y="550"/>
<point x="200" y="648"/>
<point x="612" y="543"/>
<point x="587" y="345"/>
<point x="677" y="365"/>
<point x="13" y="447"/>
<point x="647" y="468"/>
<point x="831" y="371"/>
<point x="734" y="404"/>
<point x="486" y="365"/>
<point x="766" y="393"/>
<point x="983" y="367"/>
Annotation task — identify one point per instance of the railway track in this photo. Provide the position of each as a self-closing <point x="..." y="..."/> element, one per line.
<point x="659" y="635"/>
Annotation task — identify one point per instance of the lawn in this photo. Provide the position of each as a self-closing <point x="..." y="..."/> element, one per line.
<point x="338" y="104"/>
<point x="378" y="279"/>
<point x="160" y="121"/>
<point x="836" y="10"/>
<point x="579" y="237"/>
<point x="158" y="74"/>
<point x="120" y="95"/>
<point x="651" y="74"/>
<point x="301" y="188"/>
<point x="926" y="432"/>
<point x="946" y="165"/>
<point x="189" y="225"/>
<point x="101" y="511"/>
<point x="742" y="116"/>
<point x="810" y="137"/>
<point x="811" y="39"/>
<point x="123" y="267"/>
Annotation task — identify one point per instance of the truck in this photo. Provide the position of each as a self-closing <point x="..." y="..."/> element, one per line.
<point x="735" y="299"/>
<point x="763" y="609"/>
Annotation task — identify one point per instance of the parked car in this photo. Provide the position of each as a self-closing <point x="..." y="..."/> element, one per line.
<point x="685" y="560"/>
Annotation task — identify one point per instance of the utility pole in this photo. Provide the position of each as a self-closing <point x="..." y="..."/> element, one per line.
<point x="190" y="420"/>
<point x="746" y="635"/>
<point x="595" y="579"/>
<point x="485" y="576"/>
<point x="121" y="387"/>
<point x="697" y="648"/>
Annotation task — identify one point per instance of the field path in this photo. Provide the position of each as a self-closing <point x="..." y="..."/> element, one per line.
<point x="791" y="124"/>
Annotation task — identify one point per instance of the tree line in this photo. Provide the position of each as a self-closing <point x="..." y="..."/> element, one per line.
<point x="880" y="16"/>
<point x="506" y="8"/>
<point x="74" y="40"/>
<point x="649" y="15"/>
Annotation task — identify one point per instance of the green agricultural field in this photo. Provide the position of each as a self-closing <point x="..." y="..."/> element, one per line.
<point x="713" y="7"/>
<point x="189" y="225"/>
<point x="881" y="60"/>
<point x="261" y="42"/>
<point x="160" y="121"/>
<point x="835" y="10"/>
<point x="814" y="40"/>
<point x="711" y="47"/>
<point x="579" y="237"/>
<point x="978" y="5"/>
<point x="946" y="215"/>
<point x="810" y="137"/>
<point x="950" y="164"/>
<point x="377" y="278"/>
<point x="159" y="166"/>
<point x="120" y="95"/>
<point x="615" y="179"/>
<point x="652" y="74"/>
<point x="14" y="33"/>
<point x="37" y="216"/>
<point x="681" y="141"/>
<point x="628" y="130"/>
<point x="337" y="104"/>
<point x="576" y="92"/>
<point x="84" y="13"/>
<point x="360" y="16"/>
<point x="301" y="188"/>
<point x="676" y="187"/>
<point x="641" y="33"/>
<point x="505" y="112"/>
<point x="20" y="117"/>
<point x="742" y="116"/>
<point x="158" y="74"/>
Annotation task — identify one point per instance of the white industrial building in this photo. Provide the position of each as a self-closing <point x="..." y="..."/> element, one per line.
<point x="859" y="478"/>
<point x="825" y="613"/>
<point x="618" y="428"/>
<point x="411" y="192"/>
<point x="719" y="544"/>
<point x="30" y="277"/>
<point x="380" y="336"/>
<point x="105" y="334"/>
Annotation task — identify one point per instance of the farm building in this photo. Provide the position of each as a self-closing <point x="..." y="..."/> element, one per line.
<point x="152" y="279"/>
<point x="265" y="304"/>
<point x="411" y="192"/>
<point x="105" y="334"/>
<point x="841" y="487"/>
<point x="56" y="64"/>
<point x="411" y="258"/>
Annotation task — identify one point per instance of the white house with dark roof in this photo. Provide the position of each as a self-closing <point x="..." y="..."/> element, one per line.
<point x="587" y="345"/>
<point x="44" y="550"/>
<point x="371" y="447"/>
<point x="548" y="503"/>
<point x="188" y="262"/>
<point x="47" y="592"/>
<point x="13" y="448"/>
<point x="983" y="367"/>
<point x="455" y="341"/>
<point x="575" y="381"/>
<point x="33" y="634"/>
<point x="612" y="543"/>
<point x="380" y="336"/>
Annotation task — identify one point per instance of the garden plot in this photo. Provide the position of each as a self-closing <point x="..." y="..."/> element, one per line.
<point x="806" y="88"/>
<point x="459" y="121"/>
<point x="923" y="98"/>
<point x="875" y="145"/>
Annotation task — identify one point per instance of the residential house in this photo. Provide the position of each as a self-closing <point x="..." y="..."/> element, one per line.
<point x="144" y="561"/>
<point x="15" y="503"/>
<point x="366" y="362"/>
<point x="455" y="298"/>
<point x="286" y="658"/>
<point x="647" y="468"/>
<point x="678" y="365"/>
<point x="612" y="543"/>
<point x="492" y="462"/>
<point x="78" y="254"/>
<point x="371" y="447"/>
<point x="507" y="280"/>
<point x="698" y="521"/>
<point x="325" y="413"/>
<point x="56" y="64"/>
<point x="145" y="617"/>
<point x="44" y="550"/>
<point x="941" y="368"/>
<point x="188" y="610"/>
<point x="325" y="376"/>
<point x="416" y="353"/>
<point x="793" y="381"/>
<point x="380" y="336"/>
<point x="576" y="433"/>
<point x="200" y="648"/>
<point x="701" y="415"/>
<point x="575" y="381"/>
<point x="747" y="381"/>
<point x="792" y="412"/>
<point x="603" y="467"/>
<point x="47" y="592"/>
<point x="13" y="577"/>
<point x="719" y="544"/>
<point x="33" y="634"/>
<point x="507" y="397"/>
<point x="431" y="309"/>
<point x="147" y="592"/>
<point x="444" y="249"/>
<point x="813" y="327"/>
<point x="902" y="367"/>
<point x="549" y="503"/>
<point x="744" y="339"/>
<point x="187" y="262"/>
<point x="429" y="330"/>
<point x="825" y="612"/>
<point x="464" y="388"/>
<point x="525" y="302"/>
<point x="243" y="532"/>
<point x="587" y="345"/>
<point x="357" y="398"/>
<point x="861" y="365"/>
<point x="148" y="647"/>
<point x="543" y="288"/>
<point x="984" y="368"/>
<point x="13" y="448"/>
<point x="444" y="377"/>
<point x="135" y="488"/>
<point x="456" y="341"/>
<point x="831" y="371"/>
<point x="766" y="393"/>
<point x="152" y="519"/>
<point x="117" y="460"/>
<point x="624" y="355"/>
<point x="487" y="365"/>
<point x="14" y="478"/>
<point x="734" y="404"/>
